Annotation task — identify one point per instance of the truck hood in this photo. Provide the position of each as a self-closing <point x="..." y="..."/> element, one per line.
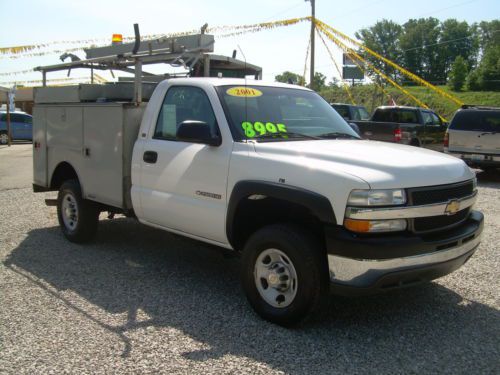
<point x="380" y="164"/>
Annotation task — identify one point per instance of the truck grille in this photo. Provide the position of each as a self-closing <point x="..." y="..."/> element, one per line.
<point x="439" y="194"/>
<point x="432" y="223"/>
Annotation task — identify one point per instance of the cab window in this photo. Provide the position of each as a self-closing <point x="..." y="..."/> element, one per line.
<point x="183" y="103"/>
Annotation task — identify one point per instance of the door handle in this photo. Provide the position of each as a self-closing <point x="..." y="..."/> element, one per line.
<point x="150" y="157"/>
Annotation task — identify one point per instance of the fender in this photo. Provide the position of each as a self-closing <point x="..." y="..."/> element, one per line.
<point x="319" y="205"/>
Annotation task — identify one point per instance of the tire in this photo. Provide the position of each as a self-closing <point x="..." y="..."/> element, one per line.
<point x="78" y="217"/>
<point x="415" y="143"/>
<point x="4" y="138"/>
<point x="306" y="281"/>
<point x="489" y="170"/>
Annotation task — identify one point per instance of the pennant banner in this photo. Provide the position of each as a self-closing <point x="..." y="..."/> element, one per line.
<point x="224" y="31"/>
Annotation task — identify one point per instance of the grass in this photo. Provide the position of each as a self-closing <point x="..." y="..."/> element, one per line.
<point x="371" y="97"/>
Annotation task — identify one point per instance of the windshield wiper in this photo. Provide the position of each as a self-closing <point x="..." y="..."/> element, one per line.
<point x="284" y="135"/>
<point x="335" y="135"/>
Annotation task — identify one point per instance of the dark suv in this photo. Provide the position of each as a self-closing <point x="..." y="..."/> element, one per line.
<point x="474" y="136"/>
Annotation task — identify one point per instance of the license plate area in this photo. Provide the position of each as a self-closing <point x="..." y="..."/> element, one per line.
<point x="476" y="157"/>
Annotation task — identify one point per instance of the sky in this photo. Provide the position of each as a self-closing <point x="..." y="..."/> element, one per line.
<point x="276" y="50"/>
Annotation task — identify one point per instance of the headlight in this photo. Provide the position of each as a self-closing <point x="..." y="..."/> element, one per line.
<point x="474" y="184"/>
<point x="375" y="226"/>
<point x="380" y="197"/>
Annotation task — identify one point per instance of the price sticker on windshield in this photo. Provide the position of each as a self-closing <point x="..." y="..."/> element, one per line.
<point x="254" y="129"/>
<point x="244" y="92"/>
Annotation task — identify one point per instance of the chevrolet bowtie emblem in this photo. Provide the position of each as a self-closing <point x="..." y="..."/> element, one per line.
<point x="452" y="207"/>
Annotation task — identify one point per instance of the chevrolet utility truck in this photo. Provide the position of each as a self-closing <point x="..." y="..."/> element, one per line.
<point x="269" y="171"/>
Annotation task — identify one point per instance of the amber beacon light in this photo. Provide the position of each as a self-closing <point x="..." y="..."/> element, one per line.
<point x="117" y="39"/>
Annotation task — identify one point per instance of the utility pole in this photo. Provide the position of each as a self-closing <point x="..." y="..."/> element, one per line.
<point x="313" y="27"/>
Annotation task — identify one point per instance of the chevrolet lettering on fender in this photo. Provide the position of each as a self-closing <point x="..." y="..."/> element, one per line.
<point x="308" y="206"/>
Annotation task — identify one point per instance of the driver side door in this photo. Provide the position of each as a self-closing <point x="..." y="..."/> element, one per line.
<point x="183" y="184"/>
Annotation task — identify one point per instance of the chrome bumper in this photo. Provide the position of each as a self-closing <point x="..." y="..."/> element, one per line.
<point x="363" y="273"/>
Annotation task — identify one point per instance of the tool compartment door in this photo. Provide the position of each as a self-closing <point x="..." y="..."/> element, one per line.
<point x="103" y="153"/>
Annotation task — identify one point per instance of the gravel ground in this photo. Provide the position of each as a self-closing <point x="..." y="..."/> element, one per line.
<point x="139" y="300"/>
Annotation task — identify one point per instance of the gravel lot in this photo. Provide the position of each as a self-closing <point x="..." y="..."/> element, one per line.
<point x="139" y="300"/>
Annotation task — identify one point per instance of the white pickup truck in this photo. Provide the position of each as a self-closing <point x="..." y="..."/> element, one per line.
<point x="268" y="170"/>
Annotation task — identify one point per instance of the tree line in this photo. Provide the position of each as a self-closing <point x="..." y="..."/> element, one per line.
<point x="462" y="55"/>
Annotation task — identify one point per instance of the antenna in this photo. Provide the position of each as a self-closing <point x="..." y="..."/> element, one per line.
<point x="244" y="58"/>
<point x="245" y="76"/>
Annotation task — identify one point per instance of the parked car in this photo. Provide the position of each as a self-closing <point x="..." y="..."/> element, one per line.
<point x="406" y="125"/>
<point x="351" y="112"/>
<point x="21" y="125"/>
<point x="474" y="136"/>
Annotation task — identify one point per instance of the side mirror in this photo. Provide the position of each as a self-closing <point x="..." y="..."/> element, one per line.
<point x="197" y="132"/>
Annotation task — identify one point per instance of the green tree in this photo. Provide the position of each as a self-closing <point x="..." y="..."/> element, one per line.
<point x="335" y="82"/>
<point x="419" y="44"/>
<point x="457" y="39"/>
<point x="487" y="75"/>
<point x="287" y="77"/>
<point x="458" y="74"/>
<point x="383" y="38"/>
<point x="319" y="81"/>
<point x="489" y="34"/>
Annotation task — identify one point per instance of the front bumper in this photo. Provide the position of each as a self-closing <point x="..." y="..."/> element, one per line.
<point x="477" y="160"/>
<point x="367" y="264"/>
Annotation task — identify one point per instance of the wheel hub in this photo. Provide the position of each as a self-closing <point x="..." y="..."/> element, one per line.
<point x="69" y="211"/>
<point x="275" y="278"/>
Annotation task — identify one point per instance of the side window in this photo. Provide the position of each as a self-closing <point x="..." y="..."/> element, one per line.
<point x="408" y="117"/>
<point x="15" y="117"/>
<point x="491" y="121"/>
<point x="435" y="119"/>
<point x="427" y="118"/>
<point x="180" y="104"/>
<point x="382" y="115"/>
<point x="342" y="110"/>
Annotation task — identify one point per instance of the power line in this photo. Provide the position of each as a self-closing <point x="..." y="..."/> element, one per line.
<point x="284" y="11"/>
<point x="360" y="8"/>
<point x="444" y="42"/>
<point x="450" y="7"/>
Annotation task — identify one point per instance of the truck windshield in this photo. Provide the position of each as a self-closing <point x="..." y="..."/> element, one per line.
<point x="281" y="114"/>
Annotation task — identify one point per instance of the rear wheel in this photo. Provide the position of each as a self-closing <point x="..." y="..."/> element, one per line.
<point x="78" y="217"/>
<point x="4" y="138"/>
<point x="285" y="274"/>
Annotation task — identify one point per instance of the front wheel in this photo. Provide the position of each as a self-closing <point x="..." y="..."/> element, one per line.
<point x="285" y="274"/>
<point x="78" y="217"/>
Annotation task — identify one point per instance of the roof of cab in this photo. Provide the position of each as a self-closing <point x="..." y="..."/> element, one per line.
<point x="237" y="82"/>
